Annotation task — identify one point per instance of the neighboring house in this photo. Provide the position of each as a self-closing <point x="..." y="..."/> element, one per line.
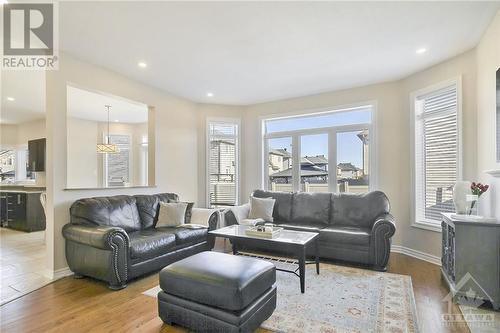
<point x="222" y="169"/>
<point x="279" y="160"/>
<point x="348" y="171"/>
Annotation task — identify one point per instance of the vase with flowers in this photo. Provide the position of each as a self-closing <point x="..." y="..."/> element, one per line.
<point x="477" y="190"/>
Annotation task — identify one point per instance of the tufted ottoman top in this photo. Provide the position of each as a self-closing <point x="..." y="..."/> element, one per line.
<point x="217" y="279"/>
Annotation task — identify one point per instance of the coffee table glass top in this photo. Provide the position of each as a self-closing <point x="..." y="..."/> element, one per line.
<point x="285" y="236"/>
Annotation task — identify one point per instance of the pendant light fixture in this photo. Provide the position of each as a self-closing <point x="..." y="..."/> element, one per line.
<point x="106" y="147"/>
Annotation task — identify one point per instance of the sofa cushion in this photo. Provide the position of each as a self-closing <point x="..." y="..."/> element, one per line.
<point x="282" y="207"/>
<point x="311" y="226"/>
<point x="311" y="208"/>
<point x="151" y="243"/>
<point x="116" y="211"/>
<point x="345" y="235"/>
<point x="358" y="210"/>
<point x="186" y="236"/>
<point x="147" y="205"/>
<point x="218" y="279"/>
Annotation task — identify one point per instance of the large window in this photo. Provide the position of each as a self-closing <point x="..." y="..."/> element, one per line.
<point x="321" y="152"/>
<point x="222" y="162"/>
<point x="436" y="151"/>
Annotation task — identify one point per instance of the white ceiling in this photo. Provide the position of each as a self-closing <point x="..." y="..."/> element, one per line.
<point x="250" y="52"/>
<point x="28" y="90"/>
<point x="89" y="105"/>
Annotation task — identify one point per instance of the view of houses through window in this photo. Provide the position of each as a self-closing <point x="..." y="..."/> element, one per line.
<point x="222" y="163"/>
<point x="339" y="138"/>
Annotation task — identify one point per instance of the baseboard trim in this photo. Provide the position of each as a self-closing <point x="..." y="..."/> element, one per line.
<point x="57" y="274"/>
<point x="416" y="254"/>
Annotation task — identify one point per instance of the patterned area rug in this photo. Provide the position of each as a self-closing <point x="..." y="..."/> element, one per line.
<point x="342" y="299"/>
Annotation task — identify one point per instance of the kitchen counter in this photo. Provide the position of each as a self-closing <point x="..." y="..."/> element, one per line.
<point x="17" y="188"/>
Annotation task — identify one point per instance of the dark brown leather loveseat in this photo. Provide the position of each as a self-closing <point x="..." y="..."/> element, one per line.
<point x="114" y="239"/>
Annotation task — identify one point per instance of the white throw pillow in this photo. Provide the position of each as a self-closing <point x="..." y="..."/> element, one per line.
<point x="261" y="208"/>
<point x="172" y="214"/>
<point x="241" y="212"/>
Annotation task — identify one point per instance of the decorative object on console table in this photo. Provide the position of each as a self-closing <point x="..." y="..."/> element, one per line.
<point x="469" y="261"/>
<point x="477" y="190"/>
<point x="460" y="192"/>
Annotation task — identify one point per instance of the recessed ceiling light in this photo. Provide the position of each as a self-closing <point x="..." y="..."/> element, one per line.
<point x="421" y="50"/>
<point x="209" y="94"/>
<point x="142" y="64"/>
<point x="116" y="120"/>
<point x="11" y="99"/>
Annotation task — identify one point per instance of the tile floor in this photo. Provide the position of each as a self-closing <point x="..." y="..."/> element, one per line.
<point x="22" y="263"/>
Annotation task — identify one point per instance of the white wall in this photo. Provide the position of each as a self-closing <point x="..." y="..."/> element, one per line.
<point x="176" y="143"/>
<point x="488" y="62"/>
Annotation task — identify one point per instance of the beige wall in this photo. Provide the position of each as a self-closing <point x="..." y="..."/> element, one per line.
<point x="20" y="134"/>
<point x="388" y="126"/>
<point x="176" y="143"/>
<point x="82" y="165"/>
<point x="392" y="137"/>
<point x="181" y="134"/>
<point x="488" y="62"/>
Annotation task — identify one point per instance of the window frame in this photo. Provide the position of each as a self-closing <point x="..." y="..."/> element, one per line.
<point x="222" y="120"/>
<point x="414" y="96"/>
<point x="106" y="157"/>
<point x="332" y="131"/>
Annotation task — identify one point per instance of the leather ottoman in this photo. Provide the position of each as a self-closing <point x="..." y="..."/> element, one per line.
<point x="217" y="292"/>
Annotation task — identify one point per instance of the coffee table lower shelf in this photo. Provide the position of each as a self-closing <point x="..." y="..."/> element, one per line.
<point x="280" y="262"/>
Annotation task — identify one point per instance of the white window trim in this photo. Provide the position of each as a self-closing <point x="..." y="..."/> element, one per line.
<point x="332" y="142"/>
<point x="233" y="121"/>
<point x="426" y="224"/>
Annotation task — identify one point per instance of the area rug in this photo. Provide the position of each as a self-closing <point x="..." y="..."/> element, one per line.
<point x="342" y="299"/>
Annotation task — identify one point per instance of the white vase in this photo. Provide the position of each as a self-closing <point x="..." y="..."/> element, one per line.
<point x="460" y="192"/>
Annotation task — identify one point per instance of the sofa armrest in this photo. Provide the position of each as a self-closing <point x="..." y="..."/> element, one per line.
<point x="96" y="236"/>
<point x="98" y="251"/>
<point x="383" y="229"/>
<point x="205" y="216"/>
<point x="235" y="214"/>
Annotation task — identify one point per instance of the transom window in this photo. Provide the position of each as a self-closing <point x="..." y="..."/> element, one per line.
<point x="301" y="150"/>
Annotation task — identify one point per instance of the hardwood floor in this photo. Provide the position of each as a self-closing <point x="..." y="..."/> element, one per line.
<point x="71" y="305"/>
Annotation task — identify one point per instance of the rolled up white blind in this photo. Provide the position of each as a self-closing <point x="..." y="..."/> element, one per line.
<point x="436" y="153"/>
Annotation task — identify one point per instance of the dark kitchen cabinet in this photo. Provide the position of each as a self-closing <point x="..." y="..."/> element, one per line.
<point x="23" y="211"/>
<point x="36" y="155"/>
<point x="3" y="209"/>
